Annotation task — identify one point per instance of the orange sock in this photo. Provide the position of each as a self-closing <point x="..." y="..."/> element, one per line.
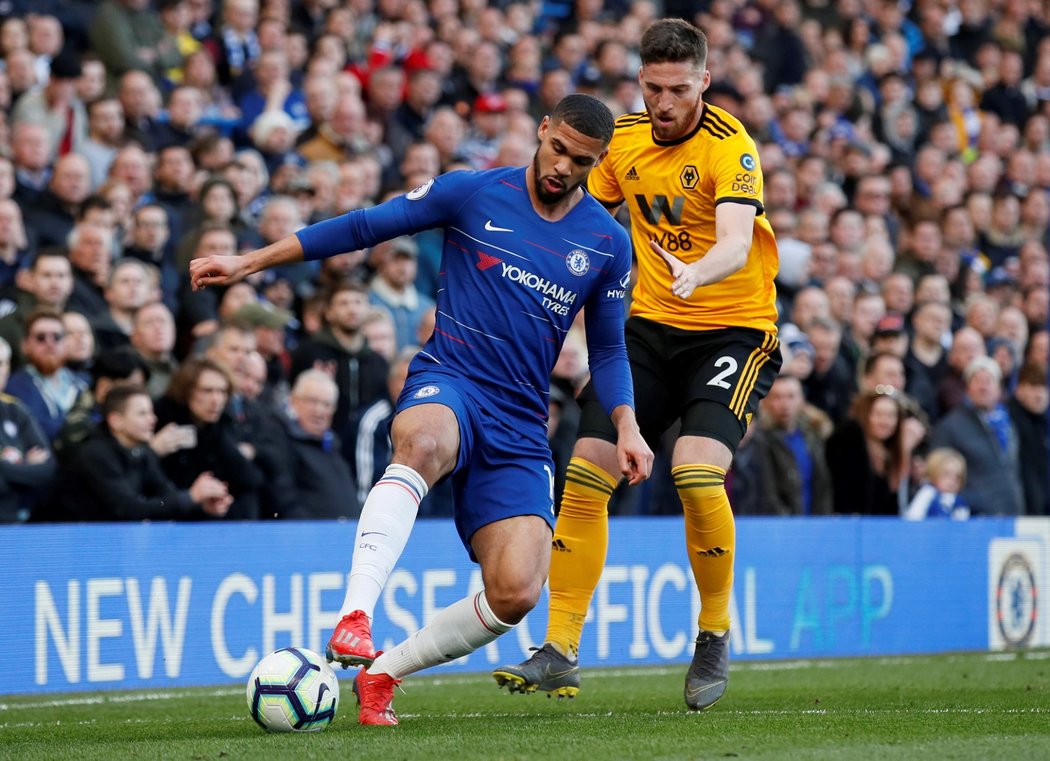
<point x="581" y="539"/>
<point x="710" y="537"/>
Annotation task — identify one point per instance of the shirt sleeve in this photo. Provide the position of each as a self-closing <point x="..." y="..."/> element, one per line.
<point x="432" y="204"/>
<point x="602" y="184"/>
<point x="604" y="320"/>
<point x="738" y="174"/>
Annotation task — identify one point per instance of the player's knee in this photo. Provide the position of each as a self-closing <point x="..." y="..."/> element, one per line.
<point x="512" y="602"/>
<point x="422" y="451"/>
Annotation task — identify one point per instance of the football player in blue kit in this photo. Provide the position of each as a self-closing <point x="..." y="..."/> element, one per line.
<point x="525" y="249"/>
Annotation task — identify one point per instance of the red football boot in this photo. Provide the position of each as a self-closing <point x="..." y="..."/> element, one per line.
<point x="351" y="642"/>
<point x="375" y="696"/>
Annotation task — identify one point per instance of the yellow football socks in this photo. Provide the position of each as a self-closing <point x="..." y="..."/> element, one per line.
<point x="710" y="537"/>
<point x="581" y="539"/>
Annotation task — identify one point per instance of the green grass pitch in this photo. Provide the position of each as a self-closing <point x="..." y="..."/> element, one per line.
<point x="975" y="706"/>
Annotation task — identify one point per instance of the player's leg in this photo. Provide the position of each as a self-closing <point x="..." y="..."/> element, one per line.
<point x="581" y="534"/>
<point x="426" y="441"/>
<point x="514" y="554"/>
<point x="581" y="539"/>
<point x="720" y="407"/>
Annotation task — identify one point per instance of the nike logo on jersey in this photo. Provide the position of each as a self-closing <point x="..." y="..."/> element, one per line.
<point x="493" y="229"/>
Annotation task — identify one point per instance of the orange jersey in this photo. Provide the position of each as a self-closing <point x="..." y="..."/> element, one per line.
<point x="672" y="189"/>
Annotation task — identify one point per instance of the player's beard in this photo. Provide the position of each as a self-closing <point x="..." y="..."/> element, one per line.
<point x="679" y="127"/>
<point x="546" y="196"/>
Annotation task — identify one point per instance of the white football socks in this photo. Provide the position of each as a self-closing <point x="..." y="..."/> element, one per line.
<point x="458" y="630"/>
<point x="382" y="533"/>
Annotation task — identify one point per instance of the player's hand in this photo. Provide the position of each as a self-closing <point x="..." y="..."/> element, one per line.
<point x="635" y="456"/>
<point x="685" y="280"/>
<point x="217" y="270"/>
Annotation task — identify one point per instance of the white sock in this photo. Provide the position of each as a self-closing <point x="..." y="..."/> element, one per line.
<point x="456" y="631"/>
<point x="382" y="532"/>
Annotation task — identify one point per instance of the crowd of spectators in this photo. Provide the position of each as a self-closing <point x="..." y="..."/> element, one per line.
<point x="906" y="157"/>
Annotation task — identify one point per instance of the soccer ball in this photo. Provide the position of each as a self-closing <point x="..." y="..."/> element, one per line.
<point x="293" y="690"/>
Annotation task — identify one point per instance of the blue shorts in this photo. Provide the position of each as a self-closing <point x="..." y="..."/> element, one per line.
<point x="504" y="468"/>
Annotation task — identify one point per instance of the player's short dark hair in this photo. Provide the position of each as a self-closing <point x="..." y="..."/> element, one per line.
<point x="117" y="399"/>
<point x="585" y="114"/>
<point x="672" y="40"/>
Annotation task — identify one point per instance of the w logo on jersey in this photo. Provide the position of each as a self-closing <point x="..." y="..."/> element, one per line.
<point x="660" y="207"/>
<point x="578" y="262"/>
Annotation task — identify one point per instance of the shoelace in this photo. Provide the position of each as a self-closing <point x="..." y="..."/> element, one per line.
<point x="549" y="655"/>
<point x="380" y="693"/>
<point x="708" y="656"/>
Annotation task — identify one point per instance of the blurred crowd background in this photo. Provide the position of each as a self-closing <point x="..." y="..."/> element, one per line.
<point x="906" y="155"/>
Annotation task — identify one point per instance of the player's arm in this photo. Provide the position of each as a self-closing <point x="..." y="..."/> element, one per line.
<point x="611" y="373"/>
<point x="425" y="207"/>
<point x="734" y="229"/>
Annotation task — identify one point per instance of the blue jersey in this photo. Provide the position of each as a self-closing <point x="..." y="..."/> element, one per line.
<point x="511" y="283"/>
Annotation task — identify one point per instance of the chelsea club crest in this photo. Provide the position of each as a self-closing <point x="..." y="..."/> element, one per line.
<point x="578" y="262"/>
<point x="426" y="391"/>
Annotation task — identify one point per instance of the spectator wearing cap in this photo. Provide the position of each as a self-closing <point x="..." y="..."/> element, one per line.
<point x="269" y="324"/>
<point x="129" y="36"/>
<point x="980" y="428"/>
<point x="26" y="464"/>
<point x="153" y="337"/>
<point x="1027" y="407"/>
<point x="57" y="107"/>
<point x="394" y="287"/>
<point x="54" y="214"/>
<point x="488" y="123"/>
<point x="325" y="487"/>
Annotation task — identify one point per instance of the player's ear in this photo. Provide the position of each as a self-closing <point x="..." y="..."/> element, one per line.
<point x="544" y="126"/>
<point x="706" y="82"/>
<point x="601" y="156"/>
